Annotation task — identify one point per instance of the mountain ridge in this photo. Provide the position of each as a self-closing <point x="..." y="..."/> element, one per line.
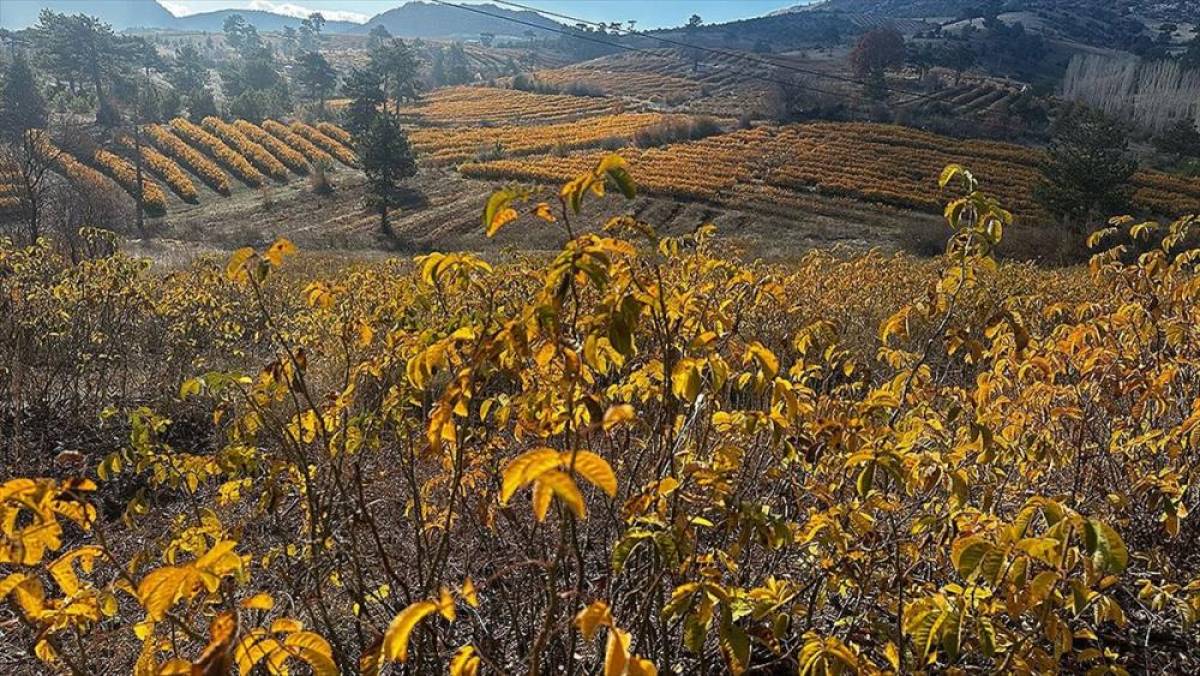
<point x="412" y="19"/>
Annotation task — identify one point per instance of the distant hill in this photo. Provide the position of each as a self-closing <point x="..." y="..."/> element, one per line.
<point x="263" y="21"/>
<point x="901" y="9"/>
<point x="411" y="20"/>
<point x="16" y="14"/>
<point x="127" y="14"/>
<point x="1173" y="10"/>
<point x="427" y="20"/>
<point x="776" y="32"/>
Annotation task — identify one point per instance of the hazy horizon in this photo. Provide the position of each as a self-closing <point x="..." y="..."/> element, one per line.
<point x="665" y="13"/>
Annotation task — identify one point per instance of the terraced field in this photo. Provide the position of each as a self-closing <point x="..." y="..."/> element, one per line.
<point x="183" y="154"/>
<point x="474" y="105"/>
<point x="881" y="164"/>
<point x="968" y="98"/>
<point x="443" y="145"/>
<point x="715" y="84"/>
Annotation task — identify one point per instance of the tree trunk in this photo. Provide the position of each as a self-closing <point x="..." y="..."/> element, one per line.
<point x="33" y="219"/>
<point x="383" y="220"/>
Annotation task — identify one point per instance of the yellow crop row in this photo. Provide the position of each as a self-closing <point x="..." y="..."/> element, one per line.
<point x="216" y="148"/>
<point x="165" y="168"/>
<point x="293" y="159"/>
<point x="326" y="143"/>
<point x="877" y="163"/>
<point x="643" y="85"/>
<point x="464" y="105"/>
<point x="454" y="144"/>
<point x="78" y="173"/>
<point x="258" y="155"/>
<point x="153" y="199"/>
<point x="297" y="142"/>
<point x="199" y="164"/>
<point x="336" y="133"/>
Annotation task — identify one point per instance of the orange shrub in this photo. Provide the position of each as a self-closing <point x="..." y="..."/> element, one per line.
<point x="78" y="173"/>
<point x="193" y="159"/>
<point x="153" y="199"/>
<point x="293" y="159"/>
<point x="217" y="149"/>
<point x="258" y="155"/>
<point x="166" y="169"/>
<point x="297" y="142"/>
<point x="329" y="145"/>
<point x="336" y="133"/>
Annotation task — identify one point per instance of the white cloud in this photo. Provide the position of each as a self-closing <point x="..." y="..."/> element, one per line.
<point x="300" y="11"/>
<point x="186" y="7"/>
<point x="177" y="8"/>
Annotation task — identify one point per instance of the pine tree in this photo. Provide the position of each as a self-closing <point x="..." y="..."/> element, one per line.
<point x="387" y="160"/>
<point x="1087" y="173"/>
<point x="364" y="88"/>
<point x="315" y="76"/>
<point x="21" y="104"/>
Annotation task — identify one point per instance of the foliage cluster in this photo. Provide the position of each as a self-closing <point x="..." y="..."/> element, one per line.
<point x="148" y="193"/>
<point x="263" y="160"/>
<point x="218" y="150"/>
<point x="728" y="466"/>
<point x="196" y="162"/>
<point x="166" y="169"/>
<point x="330" y="145"/>
<point x="294" y="159"/>
<point x="296" y="142"/>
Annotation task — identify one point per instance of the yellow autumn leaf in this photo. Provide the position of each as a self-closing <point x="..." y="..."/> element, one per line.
<point x="619" y="414"/>
<point x="395" y="639"/>
<point x="563" y="487"/>
<point x="259" y="602"/>
<point x="235" y="268"/>
<point x="591" y="618"/>
<point x="217" y="658"/>
<point x="541" y="500"/>
<point x="543" y="212"/>
<point x="446" y="603"/>
<point x="276" y="252"/>
<point x="286" y="625"/>
<point x="464" y="662"/>
<point x="501" y="219"/>
<point x="365" y="334"/>
<point x="525" y="468"/>
<point x="313" y="649"/>
<point x="469" y="594"/>
<point x="595" y="469"/>
<point x="616" y="652"/>
<point x="161" y="588"/>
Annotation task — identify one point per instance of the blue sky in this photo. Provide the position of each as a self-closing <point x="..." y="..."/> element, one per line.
<point x="648" y="13"/>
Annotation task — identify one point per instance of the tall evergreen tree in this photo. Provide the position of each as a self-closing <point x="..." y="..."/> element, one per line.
<point x="387" y="160"/>
<point x="21" y="104"/>
<point x="364" y="88"/>
<point x="315" y="77"/>
<point x="83" y="48"/>
<point x="396" y="65"/>
<point x="1087" y="173"/>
